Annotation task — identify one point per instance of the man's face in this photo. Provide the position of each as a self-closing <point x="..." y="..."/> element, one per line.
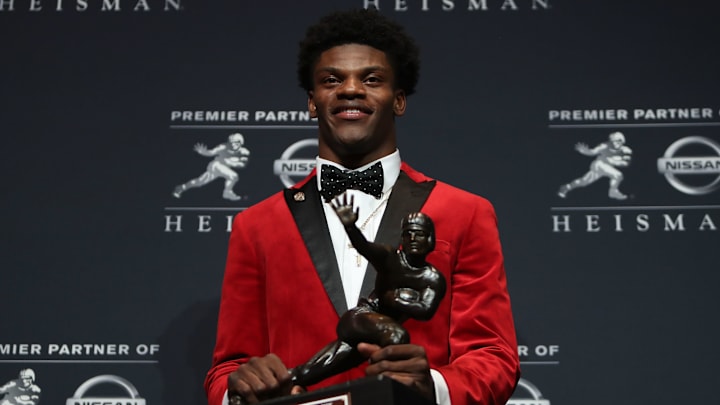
<point x="355" y="101"/>
<point x="415" y="240"/>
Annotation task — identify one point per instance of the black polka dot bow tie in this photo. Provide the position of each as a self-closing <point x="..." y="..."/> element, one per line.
<point x="334" y="181"/>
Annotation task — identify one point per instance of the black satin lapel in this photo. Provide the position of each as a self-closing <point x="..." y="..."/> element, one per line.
<point x="407" y="196"/>
<point x="310" y="219"/>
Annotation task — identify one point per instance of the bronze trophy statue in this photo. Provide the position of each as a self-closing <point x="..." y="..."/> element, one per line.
<point x="406" y="286"/>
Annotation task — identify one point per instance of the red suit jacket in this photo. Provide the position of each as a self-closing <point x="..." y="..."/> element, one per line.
<point x="282" y="292"/>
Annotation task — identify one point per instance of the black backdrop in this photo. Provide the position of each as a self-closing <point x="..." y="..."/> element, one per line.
<point x="104" y="272"/>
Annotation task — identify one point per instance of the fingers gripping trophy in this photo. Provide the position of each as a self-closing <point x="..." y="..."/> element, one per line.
<point x="406" y="286"/>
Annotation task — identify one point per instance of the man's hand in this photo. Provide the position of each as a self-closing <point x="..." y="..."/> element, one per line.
<point x="259" y="379"/>
<point x="406" y="364"/>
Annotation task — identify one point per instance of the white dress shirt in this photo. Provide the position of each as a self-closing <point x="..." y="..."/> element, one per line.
<point x="370" y="210"/>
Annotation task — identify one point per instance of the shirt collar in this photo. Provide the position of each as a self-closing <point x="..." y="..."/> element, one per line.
<point x="390" y="164"/>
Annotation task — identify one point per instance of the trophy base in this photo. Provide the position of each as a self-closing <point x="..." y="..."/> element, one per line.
<point x="378" y="390"/>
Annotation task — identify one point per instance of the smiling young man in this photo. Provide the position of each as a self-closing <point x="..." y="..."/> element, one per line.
<point x="355" y="98"/>
<point x="291" y="272"/>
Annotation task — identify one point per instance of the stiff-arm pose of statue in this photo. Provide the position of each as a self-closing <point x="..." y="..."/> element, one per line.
<point x="406" y="286"/>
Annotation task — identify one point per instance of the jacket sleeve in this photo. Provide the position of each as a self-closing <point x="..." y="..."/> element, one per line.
<point x="484" y="364"/>
<point x="242" y="330"/>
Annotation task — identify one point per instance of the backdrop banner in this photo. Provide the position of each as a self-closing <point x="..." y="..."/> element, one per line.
<point x="116" y="215"/>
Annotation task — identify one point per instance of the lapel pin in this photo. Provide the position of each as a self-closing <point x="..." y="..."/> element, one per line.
<point x="299" y="196"/>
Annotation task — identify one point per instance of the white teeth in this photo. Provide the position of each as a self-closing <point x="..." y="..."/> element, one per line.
<point x="352" y="110"/>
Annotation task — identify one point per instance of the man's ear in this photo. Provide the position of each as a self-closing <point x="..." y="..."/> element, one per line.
<point x="400" y="103"/>
<point x="311" y="105"/>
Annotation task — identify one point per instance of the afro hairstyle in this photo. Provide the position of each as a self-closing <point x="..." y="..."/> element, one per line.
<point x="364" y="27"/>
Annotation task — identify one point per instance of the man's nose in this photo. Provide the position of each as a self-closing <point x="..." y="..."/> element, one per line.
<point x="352" y="87"/>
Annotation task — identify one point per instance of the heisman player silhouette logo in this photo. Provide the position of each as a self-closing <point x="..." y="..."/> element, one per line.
<point x="609" y="156"/>
<point x="21" y="391"/>
<point x="227" y="157"/>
